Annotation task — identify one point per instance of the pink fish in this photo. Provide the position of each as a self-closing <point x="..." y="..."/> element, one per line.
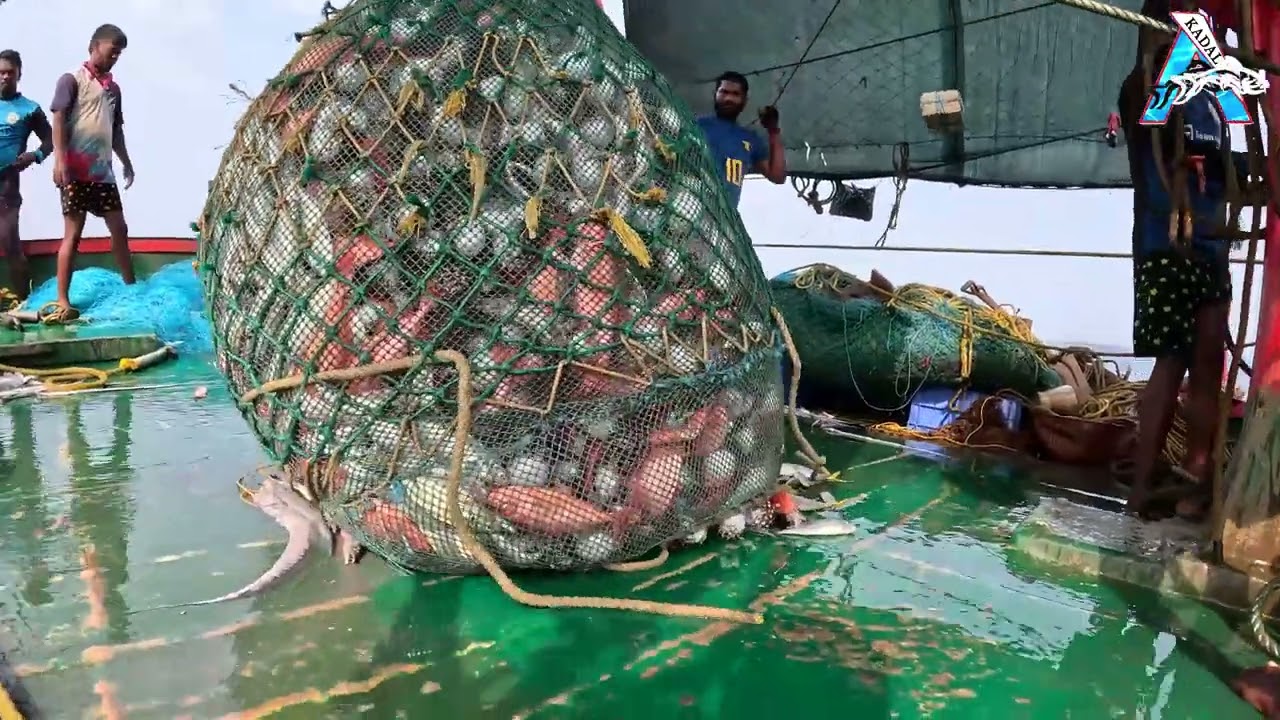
<point x="547" y="285"/>
<point x="714" y="431"/>
<point x="591" y="459"/>
<point x="510" y="388"/>
<point x="707" y="428"/>
<point x="726" y="322"/>
<point x="717" y="493"/>
<point x="679" y="305"/>
<point x="551" y="511"/>
<point x="598" y="276"/>
<point x="589" y="383"/>
<point x="389" y="522"/>
<point x="656" y="481"/>
<point x="355" y="253"/>
<point x="394" y="343"/>
<point x="336" y="354"/>
<point x="296" y="124"/>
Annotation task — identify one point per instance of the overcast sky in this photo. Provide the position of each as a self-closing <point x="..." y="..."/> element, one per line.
<point x="183" y="53"/>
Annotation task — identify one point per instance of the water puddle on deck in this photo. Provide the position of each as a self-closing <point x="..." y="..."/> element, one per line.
<point x="115" y="502"/>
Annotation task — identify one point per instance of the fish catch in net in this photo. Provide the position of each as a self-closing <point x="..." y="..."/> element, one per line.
<point x="514" y="182"/>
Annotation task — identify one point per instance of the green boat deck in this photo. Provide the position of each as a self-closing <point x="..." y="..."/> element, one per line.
<point x="931" y="610"/>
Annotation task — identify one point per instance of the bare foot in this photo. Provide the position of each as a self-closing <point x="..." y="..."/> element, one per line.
<point x="1195" y="507"/>
<point x="61" y="313"/>
<point x="1260" y="687"/>
<point x="1139" y="500"/>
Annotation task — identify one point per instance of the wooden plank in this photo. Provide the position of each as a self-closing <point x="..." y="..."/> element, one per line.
<point x="66" y="352"/>
<point x="1162" y="556"/>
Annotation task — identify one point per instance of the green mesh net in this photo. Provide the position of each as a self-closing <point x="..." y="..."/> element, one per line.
<point x="513" y="182"/>
<point x="872" y="352"/>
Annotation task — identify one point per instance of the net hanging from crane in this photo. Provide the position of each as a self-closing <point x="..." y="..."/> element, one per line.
<point x="515" y="182"/>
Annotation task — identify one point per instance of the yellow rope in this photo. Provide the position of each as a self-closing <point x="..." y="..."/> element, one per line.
<point x="477" y="170"/>
<point x="71" y="379"/>
<point x="9" y="300"/>
<point x="973" y="319"/>
<point x="1134" y="18"/>
<point x="67" y="379"/>
<point x="1112" y="401"/>
<point x="8" y="710"/>
<point x="630" y="239"/>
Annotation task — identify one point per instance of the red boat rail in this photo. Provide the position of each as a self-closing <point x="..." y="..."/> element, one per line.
<point x="102" y="245"/>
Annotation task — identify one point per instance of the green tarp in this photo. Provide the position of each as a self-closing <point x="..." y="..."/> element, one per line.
<point x="1038" y="79"/>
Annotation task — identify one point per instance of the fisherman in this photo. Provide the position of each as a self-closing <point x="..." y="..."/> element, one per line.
<point x="739" y="150"/>
<point x="22" y="117"/>
<point x="88" y="124"/>
<point x="1182" y="287"/>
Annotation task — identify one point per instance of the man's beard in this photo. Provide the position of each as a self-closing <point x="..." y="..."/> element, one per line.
<point x="727" y="112"/>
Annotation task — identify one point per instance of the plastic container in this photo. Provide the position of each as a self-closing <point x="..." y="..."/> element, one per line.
<point x="931" y="409"/>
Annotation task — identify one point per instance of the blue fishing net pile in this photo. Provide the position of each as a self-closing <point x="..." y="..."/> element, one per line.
<point x="168" y="304"/>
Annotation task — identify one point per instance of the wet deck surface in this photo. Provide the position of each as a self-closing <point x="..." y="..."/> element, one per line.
<point x="928" y="611"/>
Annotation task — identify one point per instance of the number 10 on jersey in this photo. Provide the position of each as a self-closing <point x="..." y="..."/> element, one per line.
<point x="733" y="171"/>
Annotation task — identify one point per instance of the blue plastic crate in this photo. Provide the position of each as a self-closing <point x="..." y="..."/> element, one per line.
<point x="931" y="409"/>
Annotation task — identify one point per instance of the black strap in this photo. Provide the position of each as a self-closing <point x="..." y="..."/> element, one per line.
<point x="1231" y="347"/>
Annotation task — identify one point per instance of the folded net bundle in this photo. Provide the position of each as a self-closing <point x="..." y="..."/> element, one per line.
<point x="514" y="182"/>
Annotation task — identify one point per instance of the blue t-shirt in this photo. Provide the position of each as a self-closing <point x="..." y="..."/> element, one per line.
<point x="735" y="149"/>
<point x="16" y="125"/>
<point x="1206" y="134"/>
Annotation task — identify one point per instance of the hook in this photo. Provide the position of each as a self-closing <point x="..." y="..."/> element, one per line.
<point x="1113" y="128"/>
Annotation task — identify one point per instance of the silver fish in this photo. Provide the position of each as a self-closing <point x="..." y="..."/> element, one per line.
<point x="731" y="528"/>
<point x="804" y="504"/>
<point x="303" y="521"/>
<point x="793" y="473"/>
<point x="13" y="381"/>
<point x="596" y="547"/>
<point x="826" y="527"/>
<point x="697" y="537"/>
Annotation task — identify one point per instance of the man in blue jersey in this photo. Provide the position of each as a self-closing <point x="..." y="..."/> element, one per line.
<point x="19" y="118"/>
<point x="1182" y="289"/>
<point x="736" y="149"/>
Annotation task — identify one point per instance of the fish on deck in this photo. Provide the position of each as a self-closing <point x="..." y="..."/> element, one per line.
<point x="301" y="519"/>
<point x="825" y="527"/>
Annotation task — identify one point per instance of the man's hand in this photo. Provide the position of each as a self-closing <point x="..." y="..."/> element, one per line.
<point x="59" y="173"/>
<point x="24" y="161"/>
<point x="128" y="176"/>
<point x="769" y="118"/>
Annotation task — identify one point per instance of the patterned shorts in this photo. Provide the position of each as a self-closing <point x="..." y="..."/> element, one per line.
<point x="1169" y="289"/>
<point x="90" y="197"/>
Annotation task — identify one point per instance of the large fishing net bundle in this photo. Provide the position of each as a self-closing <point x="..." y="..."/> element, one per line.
<point x="168" y="303"/>
<point x="876" y="348"/>
<point x="515" y="183"/>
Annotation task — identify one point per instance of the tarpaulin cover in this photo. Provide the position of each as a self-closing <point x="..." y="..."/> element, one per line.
<point x="1038" y="80"/>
